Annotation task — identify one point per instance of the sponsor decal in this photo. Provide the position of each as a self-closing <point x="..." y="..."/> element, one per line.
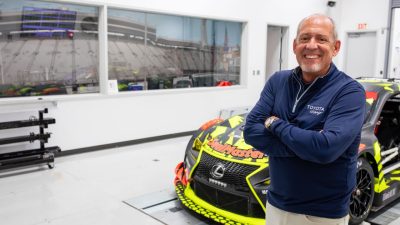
<point x="359" y="163"/>
<point x="389" y="194"/>
<point x="232" y="150"/>
<point x="316" y="110"/>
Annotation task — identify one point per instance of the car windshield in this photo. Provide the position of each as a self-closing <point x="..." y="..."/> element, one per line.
<point x="371" y="95"/>
<point x="368" y="112"/>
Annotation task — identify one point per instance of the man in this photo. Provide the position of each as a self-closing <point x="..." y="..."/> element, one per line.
<point x="308" y="121"/>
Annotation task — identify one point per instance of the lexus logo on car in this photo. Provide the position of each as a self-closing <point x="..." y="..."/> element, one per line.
<point x="217" y="171"/>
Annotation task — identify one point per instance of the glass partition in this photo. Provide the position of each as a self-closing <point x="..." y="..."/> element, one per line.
<point x="47" y="48"/>
<point x="156" y="51"/>
<point x="50" y="48"/>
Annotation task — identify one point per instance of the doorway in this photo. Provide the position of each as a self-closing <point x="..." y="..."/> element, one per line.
<point x="277" y="49"/>
<point x="360" y="58"/>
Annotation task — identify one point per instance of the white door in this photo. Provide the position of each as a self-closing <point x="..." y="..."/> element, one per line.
<point x="394" y="50"/>
<point x="277" y="49"/>
<point x="360" y="56"/>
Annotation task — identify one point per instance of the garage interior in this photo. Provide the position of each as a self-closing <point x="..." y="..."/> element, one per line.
<point x="114" y="98"/>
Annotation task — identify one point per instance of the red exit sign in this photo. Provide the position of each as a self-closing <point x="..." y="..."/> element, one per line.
<point x="362" y="26"/>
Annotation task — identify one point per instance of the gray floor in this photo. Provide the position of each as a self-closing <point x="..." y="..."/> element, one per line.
<point x="97" y="188"/>
<point x="90" y="188"/>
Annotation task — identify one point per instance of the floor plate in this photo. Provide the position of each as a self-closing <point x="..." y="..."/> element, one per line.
<point x="165" y="207"/>
<point x="388" y="215"/>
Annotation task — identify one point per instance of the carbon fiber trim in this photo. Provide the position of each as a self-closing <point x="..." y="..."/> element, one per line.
<point x="230" y="192"/>
<point x="235" y="174"/>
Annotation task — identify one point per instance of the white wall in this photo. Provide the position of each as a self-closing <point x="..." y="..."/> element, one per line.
<point x="394" y="54"/>
<point x="374" y="13"/>
<point x="99" y="119"/>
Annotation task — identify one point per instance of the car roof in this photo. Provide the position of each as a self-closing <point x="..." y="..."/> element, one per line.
<point x="380" y="85"/>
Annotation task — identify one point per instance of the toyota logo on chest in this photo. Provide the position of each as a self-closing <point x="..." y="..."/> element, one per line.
<point x="218" y="171"/>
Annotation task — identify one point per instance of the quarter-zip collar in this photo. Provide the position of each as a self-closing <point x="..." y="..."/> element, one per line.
<point x="319" y="82"/>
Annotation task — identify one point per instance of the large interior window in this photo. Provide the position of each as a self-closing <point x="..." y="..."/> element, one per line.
<point x="47" y="48"/>
<point x="156" y="51"/>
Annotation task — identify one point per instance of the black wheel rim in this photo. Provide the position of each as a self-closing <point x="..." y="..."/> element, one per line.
<point x="362" y="195"/>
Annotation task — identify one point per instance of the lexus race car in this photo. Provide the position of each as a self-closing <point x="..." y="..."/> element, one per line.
<point x="224" y="179"/>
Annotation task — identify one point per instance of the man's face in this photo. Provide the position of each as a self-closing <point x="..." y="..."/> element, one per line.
<point x="315" y="46"/>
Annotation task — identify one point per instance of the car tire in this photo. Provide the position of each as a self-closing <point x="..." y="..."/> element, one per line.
<point x="363" y="195"/>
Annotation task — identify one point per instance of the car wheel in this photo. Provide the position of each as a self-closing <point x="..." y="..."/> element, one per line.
<point x="363" y="194"/>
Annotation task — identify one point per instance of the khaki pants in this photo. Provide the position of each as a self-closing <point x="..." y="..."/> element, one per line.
<point x="275" y="216"/>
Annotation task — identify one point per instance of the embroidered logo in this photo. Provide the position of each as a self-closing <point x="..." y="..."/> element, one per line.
<point x="316" y="110"/>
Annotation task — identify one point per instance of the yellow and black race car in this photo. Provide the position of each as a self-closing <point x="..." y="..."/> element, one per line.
<point x="225" y="179"/>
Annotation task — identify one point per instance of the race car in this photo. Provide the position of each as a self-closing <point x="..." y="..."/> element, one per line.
<point x="226" y="180"/>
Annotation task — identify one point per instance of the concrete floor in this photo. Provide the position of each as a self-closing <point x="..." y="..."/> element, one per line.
<point x="90" y="188"/>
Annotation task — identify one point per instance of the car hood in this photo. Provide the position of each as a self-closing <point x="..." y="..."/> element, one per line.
<point x="226" y="140"/>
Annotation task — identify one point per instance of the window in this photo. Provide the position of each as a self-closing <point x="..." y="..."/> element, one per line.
<point x="50" y="48"/>
<point x="149" y="51"/>
<point x="47" y="48"/>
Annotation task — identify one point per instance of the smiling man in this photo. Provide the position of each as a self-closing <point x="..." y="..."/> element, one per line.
<point x="308" y="121"/>
<point x="315" y="46"/>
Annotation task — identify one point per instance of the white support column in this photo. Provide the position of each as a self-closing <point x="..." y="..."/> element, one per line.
<point x="103" y="50"/>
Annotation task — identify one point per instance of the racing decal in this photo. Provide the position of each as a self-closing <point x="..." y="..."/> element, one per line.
<point x="389" y="194"/>
<point x="371" y="96"/>
<point x="230" y="140"/>
<point x="254" y="179"/>
<point x="395" y="175"/>
<point x="242" y="144"/>
<point x="234" y="151"/>
<point x="235" y="121"/>
<point x="389" y="89"/>
<point x="210" y="123"/>
<point x="218" y="130"/>
<point x="370" y="101"/>
<point x="380" y="185"/>
<point x="377" y="155"/>
<point x="197" y="144"/>
<point x="380" y="182"/>
<point x="237" y="135"/>
<point x="387" y="86"/>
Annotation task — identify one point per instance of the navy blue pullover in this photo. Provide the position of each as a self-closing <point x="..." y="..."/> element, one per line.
<point x="313" y="147"/>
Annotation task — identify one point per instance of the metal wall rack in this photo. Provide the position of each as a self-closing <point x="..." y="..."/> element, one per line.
<point x="33" y="156"/>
